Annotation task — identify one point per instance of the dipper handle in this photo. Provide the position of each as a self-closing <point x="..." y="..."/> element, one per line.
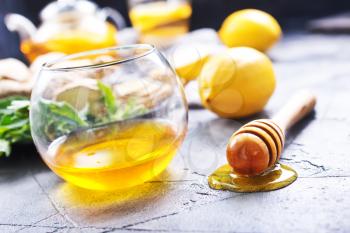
<point x="301" y="104"/>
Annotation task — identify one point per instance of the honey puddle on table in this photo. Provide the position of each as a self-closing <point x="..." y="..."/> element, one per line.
<point x="278" y="177"/>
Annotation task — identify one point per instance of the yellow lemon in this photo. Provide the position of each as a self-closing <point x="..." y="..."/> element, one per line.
<point x="161" y="15"/>
<point x="237" y="83"/>
<point x="189" y="60"/>
<point x="251" y="28"/>
<point x="189" y="67"/>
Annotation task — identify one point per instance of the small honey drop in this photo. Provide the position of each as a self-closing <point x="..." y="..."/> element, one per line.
<point x="278" y="177"/>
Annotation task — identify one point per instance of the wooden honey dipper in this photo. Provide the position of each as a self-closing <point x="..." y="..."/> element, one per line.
<point x="258" y="145"/>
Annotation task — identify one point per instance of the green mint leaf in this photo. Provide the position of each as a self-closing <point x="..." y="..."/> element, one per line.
<point x="63" y="110"/>
<point x="59" y="118"/>
<point x="108" y="98"/>
<point x="5" y="148"/>
<point x="129" y="110"/>
<point x="5" y="102"/>
<point x="14" y="122"/>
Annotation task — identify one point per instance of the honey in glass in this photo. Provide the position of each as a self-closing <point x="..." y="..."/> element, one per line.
<point x="125" y="154"/>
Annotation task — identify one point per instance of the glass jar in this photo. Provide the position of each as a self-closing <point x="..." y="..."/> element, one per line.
<point x="108" y="119"/>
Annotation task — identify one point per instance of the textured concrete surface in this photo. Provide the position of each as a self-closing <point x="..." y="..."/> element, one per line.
<point x="33" y="199"/>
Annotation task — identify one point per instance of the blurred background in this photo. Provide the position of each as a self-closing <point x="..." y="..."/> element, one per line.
<point x="292" y="15"/>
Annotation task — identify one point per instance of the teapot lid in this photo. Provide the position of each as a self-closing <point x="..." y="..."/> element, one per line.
<point x="67" y="7"/>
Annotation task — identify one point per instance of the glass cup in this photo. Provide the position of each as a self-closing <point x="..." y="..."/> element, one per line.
<point x="160" y="22"/>
<point x="108" y="119"/>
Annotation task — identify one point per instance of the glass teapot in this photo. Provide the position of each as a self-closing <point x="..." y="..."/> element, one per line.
<point x="68" y="26"/>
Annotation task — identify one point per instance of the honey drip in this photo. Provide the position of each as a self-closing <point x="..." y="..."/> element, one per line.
<point x="278" y="177"/>
<point x="114" y="157"/>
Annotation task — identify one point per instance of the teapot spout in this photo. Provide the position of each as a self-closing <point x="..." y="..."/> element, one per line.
<point x="20" y="24"/>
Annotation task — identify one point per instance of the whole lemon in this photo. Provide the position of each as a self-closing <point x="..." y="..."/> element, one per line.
<point x="251" y="28"/>
<point x="237" y="83"/>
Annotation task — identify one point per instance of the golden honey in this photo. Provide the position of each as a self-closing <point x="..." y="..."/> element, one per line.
<point x="280" y="176"/>
<point x="69" y="42"/>
<point x="161" y="20"/>
<point x="116" y="156"/>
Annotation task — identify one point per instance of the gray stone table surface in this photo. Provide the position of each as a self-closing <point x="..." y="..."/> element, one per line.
<point x="33" y="199"/>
